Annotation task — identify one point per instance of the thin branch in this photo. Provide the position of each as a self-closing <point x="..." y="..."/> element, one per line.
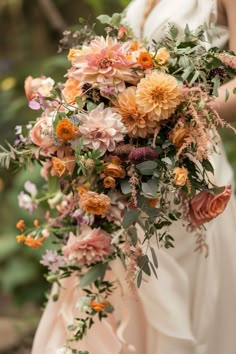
<point x="53" y="15"/>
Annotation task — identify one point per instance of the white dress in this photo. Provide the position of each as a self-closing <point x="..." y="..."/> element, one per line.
<point x="191" y="308"/>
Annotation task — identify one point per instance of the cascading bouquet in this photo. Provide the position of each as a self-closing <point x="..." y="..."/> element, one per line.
<point x="125" y="145"/>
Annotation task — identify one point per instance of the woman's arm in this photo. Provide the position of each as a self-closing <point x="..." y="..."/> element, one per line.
<point x="227" y="110"/>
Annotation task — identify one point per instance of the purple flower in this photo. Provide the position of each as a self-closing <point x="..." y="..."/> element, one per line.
<point x="53" y="260"/>
<point x="83" y="218"/>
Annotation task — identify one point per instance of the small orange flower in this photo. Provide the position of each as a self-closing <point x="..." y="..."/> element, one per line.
<point x="98" y="306"/>
<point x="94" y="203"/>
<point x="178" y="136"/>
<point x="34" y="243"/>
<point x="20" y="225"/>
<point x="36" y="223"/>
<point x="20" y="238"/>
<point x="109" y="182"/>
<point x="58" y="167"/>
<point x="152" y="202"/>
<point x="181" y="175"/>
<point x="145" y="60"/>
<point x="135" y="46"/>
<point x="65" y="129"/>
<point x="82" y="189"/>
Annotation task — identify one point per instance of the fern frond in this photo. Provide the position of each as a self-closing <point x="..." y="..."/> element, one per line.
<point x="6" y="156"/>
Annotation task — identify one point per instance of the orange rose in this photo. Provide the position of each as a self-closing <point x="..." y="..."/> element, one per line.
<point x="58" y="167"/>
<point x="109" y="182"/>
<point x="82" y="189"/>
<point x="181" y="175"/>
<point x="178" y="136"/>
<point x="206" y="206"/>
<point x="94" y="203"/>
<point x="114" y="170"/>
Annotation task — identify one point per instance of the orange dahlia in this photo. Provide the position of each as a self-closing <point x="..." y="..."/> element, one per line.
<point x="138" y="124"/>
<point x="158" y="94"/>
<point x="65" y="129"/>
<point x="94" y="203"/>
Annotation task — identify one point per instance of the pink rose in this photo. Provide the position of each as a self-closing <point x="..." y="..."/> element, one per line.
<point x="206" y="206"/>
<point x="91" y="246"/>
<point x="42" y="134"/>
<point x="40" y="85"/>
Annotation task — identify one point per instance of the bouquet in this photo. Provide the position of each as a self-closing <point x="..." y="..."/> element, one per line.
<point x="125" y="145"/>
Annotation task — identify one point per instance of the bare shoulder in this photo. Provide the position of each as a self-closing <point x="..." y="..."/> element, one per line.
<point x="229" y="8"/>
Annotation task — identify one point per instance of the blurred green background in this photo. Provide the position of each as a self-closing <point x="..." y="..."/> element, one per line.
<point x="30" y="32"/>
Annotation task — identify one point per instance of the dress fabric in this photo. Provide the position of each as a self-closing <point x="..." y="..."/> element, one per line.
<point x="191" y="308"/>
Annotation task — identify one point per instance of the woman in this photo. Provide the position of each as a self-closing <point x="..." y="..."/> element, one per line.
<point x="191" y="308"/>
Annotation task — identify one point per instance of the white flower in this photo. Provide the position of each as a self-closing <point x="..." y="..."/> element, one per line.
<point x="102" y="129"/>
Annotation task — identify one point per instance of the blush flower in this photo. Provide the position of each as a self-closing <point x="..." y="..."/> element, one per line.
<point x="42" y="134"/>
<point x="102" y="129"/>
<point x="104" y="60"/>
<point x="205" y="206"/>
<point x="38" y="86"/>
<point x="94" y="203"/>
<point x="91" y="246"/>
<point x="158" y="94"/>
<point x="138" y="124"/>
<point x="71" y="90"/>
<point x="27" y="200"/>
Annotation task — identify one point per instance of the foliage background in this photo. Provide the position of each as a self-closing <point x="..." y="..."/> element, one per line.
<point x="30" y="31"/>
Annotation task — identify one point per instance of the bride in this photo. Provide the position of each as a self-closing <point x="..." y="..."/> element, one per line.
<point x="191" y="308"/>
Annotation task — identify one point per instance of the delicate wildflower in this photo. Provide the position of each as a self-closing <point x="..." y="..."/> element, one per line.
<point x="94" y="203"/>
<point x="53" y="260"/>
<point x="20" y="225"/>
<point x="20" y="238"/>
<point x="99" y="306"/>
<point x="27" y="201"/>
<point x="158" y="95"/>
<point x="65" y="129"/>
<point x="82" y="217"/>
<point x="34" y="242"/>
<point x="227" y="59"/>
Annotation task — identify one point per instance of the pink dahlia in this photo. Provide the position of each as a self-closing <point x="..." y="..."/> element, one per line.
<point x="91" y="246"/>
<point x="104" y="60"/>
<point x="102" y="129"/>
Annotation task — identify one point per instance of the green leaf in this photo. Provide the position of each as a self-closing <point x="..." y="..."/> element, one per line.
<point x="195" y="77"/>
<point x="97" y="271"/>
<point x="234" y="91"/>
<point x="105" y="19"/>
<point x="130" y="217"/>
<point x="53" y="184"/>
<point x="208" y="166"/>
<point x="143" y="263"/>
<point x="226" y="95"/>
<point x="187" y="72"/>
<point x="125" y="187"/>
<point x="216" y="82"/>
<point x="139" y="278"/>
<point x="147" y="167"/>
<point x="90" y="106"/>
<point x="154" y="257"/>
<point x="150" y="188"/>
